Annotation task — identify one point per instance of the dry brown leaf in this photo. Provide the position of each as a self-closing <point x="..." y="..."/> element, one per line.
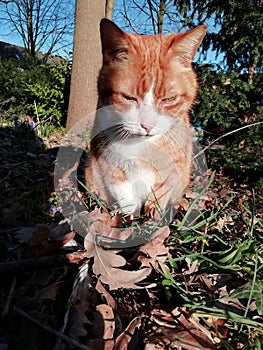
<point x="150" y="346"/>
<point x="50" y="292"/>
<point x="101" y="344"/>
<point x="155" y="252"/>
<point x="110" y="268"/>
<point x="163" y="318"/>
<point x="192" y="266"/>
<point x="184" y="332"/>
<point x="100" y="223"/>
<point x="124" y="339"/>
<point x="43" y="242"/>
<point x="108" y="265"/>
<point x="83" y="295"/>
<point x="110" y="300"/>
<point x="219" y="325"/>
<point x="103" y="322"/>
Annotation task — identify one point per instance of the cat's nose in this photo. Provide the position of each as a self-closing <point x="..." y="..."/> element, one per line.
<point x="147" y="128"/>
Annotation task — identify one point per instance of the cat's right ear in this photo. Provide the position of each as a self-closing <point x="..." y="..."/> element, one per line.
<point x="114" y="44"/>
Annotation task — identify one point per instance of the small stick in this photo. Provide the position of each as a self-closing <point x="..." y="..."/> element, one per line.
<point x="42" y="262"/>
<point x="52" y="331"/>
<point x="38" y="121"/>
<point x="10" y="297"/>
<point x="227" y="134"/>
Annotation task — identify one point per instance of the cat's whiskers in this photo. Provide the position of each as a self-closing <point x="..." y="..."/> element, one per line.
<point x="177" y="135"/>
<point x="121" y="133"/>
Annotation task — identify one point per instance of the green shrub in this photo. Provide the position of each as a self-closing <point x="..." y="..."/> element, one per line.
<point x="30" y="86"/>
<point x="226" y="103"/>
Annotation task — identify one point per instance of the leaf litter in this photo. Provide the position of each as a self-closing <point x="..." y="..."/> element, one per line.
<point x="103" y="282"/>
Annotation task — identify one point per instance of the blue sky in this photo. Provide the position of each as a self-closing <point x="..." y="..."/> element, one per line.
<point x="13" y="38"/>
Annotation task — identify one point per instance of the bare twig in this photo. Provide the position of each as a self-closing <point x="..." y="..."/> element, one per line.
<point x="42" y="262"/>
<point x="222" y="136"/>
<point x="9" y="298"/>
<point x="38" y="121"/>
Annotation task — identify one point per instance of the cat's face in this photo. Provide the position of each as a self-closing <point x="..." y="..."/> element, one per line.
<point x="147" y="79"/>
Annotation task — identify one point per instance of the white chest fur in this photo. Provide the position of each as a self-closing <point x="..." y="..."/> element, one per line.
<point x="131" y="193"/>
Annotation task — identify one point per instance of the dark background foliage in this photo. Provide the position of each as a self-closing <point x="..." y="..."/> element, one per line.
<point x="30" y="87"/>
<point x="227" y="102"/>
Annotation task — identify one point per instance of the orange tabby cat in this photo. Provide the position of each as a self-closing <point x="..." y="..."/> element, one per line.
<point x="141" y="146"/>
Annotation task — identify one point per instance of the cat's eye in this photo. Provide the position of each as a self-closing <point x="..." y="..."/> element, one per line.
<point x="129" y="98"/>
<point x="170" y="99"/>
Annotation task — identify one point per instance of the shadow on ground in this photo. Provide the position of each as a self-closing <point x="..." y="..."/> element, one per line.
<point x="26" y="177"/>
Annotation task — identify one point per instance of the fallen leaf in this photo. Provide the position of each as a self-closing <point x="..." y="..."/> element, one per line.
<point x="42" y="241"/>
<point x="100" y="223"/>
<point x="192" y="266"/>
<point x="182" y="331"/>
<point x="149" y="346"/>
<point x="110" y="300"/>
<point x="154" y="252"/>
<point x="103" y="322"/>
<point x="124" y="339"/>
<point x="109" y="267"/>
<point x="79" y="304"/>
<point x="101" y="344"/>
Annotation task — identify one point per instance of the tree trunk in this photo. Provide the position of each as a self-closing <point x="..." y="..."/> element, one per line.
<point x="109" y="8"/>
<point x="161" y="16"/>
<point x="30" y="30"/>
<point x="87" y="60"/>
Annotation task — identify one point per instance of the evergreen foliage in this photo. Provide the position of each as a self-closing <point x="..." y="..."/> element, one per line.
<point x="30" y="87"/>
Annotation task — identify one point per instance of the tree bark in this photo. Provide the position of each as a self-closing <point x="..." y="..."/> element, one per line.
<point x="87" y="60"/>
<point x="161" y="16"/>
<point x="109" y="8"/>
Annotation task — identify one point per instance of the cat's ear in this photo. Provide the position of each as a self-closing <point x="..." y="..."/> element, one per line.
<point x="185" y="45"/>
<point x="114" y="44"/>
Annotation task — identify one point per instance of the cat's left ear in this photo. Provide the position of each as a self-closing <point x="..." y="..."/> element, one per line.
<point x="114" y="44"/>
<point x="185" y="45"/>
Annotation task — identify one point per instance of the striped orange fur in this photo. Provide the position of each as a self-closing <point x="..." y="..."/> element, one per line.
<point x="141" y="148"/>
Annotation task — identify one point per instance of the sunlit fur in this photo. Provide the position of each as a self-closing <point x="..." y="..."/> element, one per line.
<point x="141" y="142"/>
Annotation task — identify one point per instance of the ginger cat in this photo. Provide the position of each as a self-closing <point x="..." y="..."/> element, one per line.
<point x="141" y="147"/>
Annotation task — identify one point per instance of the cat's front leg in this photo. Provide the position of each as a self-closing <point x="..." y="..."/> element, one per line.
<point x="131" y="193"/>
<point x="130" y="196"/>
